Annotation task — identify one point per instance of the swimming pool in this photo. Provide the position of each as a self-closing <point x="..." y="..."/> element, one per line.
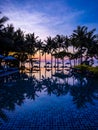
<point x="50" y="102"/>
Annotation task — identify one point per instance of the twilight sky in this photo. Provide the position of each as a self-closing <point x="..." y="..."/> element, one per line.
<point x="50" y="17"/>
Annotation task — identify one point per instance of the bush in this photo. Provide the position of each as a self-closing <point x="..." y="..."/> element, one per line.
<point x="94" y="70"/>
<point x="88" y="69"/>
<point x="82" y="67"/>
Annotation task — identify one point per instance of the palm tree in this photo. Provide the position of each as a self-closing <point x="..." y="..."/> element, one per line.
<point x="73" y="45"/>
<point x="31" y="41"/>
<point x="59" y="40"/>
<point x="2" y="22"/>
<point x="85" y="41"/>
<point x="91" y="45"/>
<point x="66" y="46"/>
<point x="19" y="41"/>
<point x="61" y="55"/>
<point x="80" y="39"/>
<point x="19" y="46"/>
<point x="7" y="39"/>
<point x="96" y="50"/>
<point x="44" y="52"/>
<point x="51" y="47"/>
<point x="39" y="48"/>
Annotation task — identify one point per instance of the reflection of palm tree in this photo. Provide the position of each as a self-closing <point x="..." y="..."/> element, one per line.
<point x="16" y="94"/>
<point x="3" y="116"/>
<point x="53" y="87"/>
<point x="83" y="93"/>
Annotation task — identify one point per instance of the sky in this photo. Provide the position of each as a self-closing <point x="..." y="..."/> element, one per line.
<point x="50" y="17"/>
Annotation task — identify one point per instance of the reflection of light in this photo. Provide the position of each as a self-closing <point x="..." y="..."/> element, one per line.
<point x="44" y="73"/>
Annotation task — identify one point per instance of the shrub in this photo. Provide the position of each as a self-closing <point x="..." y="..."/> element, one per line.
<point x="82" y="67"/>
<point x="88" y="69"/>
<point x="94" y="70"/>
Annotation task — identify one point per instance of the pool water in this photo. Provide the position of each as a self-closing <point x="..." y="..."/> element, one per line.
<point x="50" y="103"/>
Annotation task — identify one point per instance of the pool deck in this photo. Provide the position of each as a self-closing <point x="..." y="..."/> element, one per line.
<point x="7" y="73"/>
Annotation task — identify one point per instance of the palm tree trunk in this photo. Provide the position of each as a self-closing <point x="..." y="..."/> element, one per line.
<point x="81" y="56"/>
<point x="76" y="61"/>
<point x="70" y="63"/>
<point x="74" y="53"/>
<point x="58" y="58"/>
<point x="45" y="72"/>
<point x="45" y="58"/>
<point x="20" y="64"/>
<point x="55" y="61"/>
<point x="63" y="62"/>
<point x="51" y="64"/>
<point x="51" y="60"/>
<point x="39" y="59"/>
<point x="40" y="74"/>
<point x="63" y="65"/>
<point x="55" y="64"/>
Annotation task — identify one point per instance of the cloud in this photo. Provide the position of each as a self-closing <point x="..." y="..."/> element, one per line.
<point x="42" y="23"/>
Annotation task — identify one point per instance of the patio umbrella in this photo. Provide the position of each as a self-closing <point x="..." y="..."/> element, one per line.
<point x="67" y="63"/>
<point x="9" y="58"/>
<point x="48" y="63"/>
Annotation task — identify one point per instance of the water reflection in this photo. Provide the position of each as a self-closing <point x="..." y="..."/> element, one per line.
<point x="15" y="89"/>
<point x="84" y="92"/>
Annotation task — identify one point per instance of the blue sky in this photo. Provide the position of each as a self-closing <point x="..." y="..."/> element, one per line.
<point x="50" y="17"/>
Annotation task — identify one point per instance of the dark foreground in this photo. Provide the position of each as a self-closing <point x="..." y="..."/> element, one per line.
<point x="55" y="103"/>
